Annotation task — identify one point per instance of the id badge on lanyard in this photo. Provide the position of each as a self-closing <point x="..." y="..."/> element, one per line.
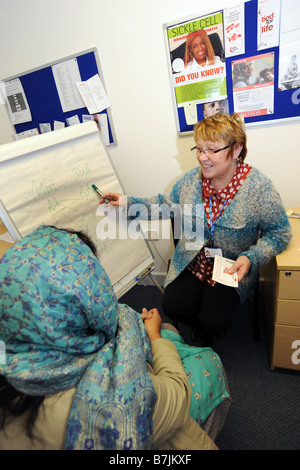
<point x="211" y="251"/>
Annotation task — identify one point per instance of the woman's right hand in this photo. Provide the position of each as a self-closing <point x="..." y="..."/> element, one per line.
<point x="113" y="198"/>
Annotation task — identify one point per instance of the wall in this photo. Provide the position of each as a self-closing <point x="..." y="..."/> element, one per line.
<point x="128" y="34"/>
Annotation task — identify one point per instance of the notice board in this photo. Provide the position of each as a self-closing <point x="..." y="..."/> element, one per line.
<point x="261" y="35"/>
<point x="42" y="98"/>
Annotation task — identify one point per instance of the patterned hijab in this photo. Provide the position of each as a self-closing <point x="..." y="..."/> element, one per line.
<point x="63" y="328"/>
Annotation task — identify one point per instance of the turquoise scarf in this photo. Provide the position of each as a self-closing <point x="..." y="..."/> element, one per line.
<point x="63" y="328"/>
<point x="203" y="368"/>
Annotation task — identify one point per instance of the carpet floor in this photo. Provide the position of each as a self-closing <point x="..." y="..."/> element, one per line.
<point x="265" y="411"/>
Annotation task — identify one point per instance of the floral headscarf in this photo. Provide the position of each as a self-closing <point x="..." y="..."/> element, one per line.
<point x="63" y="328"/>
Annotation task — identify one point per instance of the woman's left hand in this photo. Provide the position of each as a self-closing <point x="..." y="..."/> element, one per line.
<point x="242" y="266"/>
<point x="152" y="321"/>
<point x="146" y="314"/>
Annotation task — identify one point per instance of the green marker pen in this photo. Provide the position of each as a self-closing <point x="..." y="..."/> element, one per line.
<point x="99" y="193"/>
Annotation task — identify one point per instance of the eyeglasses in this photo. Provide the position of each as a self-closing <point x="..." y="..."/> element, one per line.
<point x="210" y="152"/>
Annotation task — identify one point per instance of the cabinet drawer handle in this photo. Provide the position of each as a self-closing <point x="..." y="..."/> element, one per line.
<point x="288" y="273"/>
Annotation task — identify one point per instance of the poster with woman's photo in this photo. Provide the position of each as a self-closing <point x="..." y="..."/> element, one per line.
<point x="197" y="59"/>
<point x="253" y="85"/>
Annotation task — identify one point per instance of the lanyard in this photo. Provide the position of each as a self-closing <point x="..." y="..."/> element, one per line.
<point x="212" y="224"/>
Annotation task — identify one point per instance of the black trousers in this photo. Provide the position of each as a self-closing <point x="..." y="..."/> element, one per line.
<point x="193" y="302"/>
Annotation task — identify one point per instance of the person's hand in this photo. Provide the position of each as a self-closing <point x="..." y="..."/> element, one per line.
<point x="146" y="314"/>
<point x="115" y="199"/>
<point x="242" y="266"/>
<point x="152" y="321"/>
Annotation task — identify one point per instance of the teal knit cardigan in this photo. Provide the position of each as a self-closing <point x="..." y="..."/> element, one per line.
<point x="254" y="224"/>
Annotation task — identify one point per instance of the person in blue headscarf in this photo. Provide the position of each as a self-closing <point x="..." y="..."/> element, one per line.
<point x="82" y="371"/>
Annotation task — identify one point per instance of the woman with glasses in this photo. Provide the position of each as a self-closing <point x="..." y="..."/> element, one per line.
<point x="243" y="220"/>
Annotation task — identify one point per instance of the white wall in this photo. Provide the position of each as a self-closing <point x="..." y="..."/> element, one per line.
<point x="128" y="34"/>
